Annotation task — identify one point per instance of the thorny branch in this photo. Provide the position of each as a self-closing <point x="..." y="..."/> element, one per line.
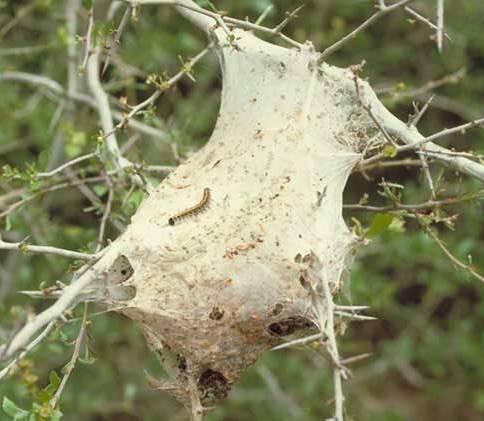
<point x="88" y="40"/>
<point x="423" y="19"/>
<point x="430" y="204"/>
<point x="207" y="24"/>
<point x="69" y="295"/>
<point x="117" y="37"/>
<point x="45" y="190"/>
<point x="382" y="11"/>
<point x="27" y="349"/>
<point x="25" y="247"/>
<point x="82" y="98"/>
<point x="162" y="87"/>
<point x="424" y="140"/>
<point x="66" y="165"/>
<point x="429" y="86"/>
<point x="452" y="258"/>
<point x="104" y="110"/>
<point x="338" y="369"/>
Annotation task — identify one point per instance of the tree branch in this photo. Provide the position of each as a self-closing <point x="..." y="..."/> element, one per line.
<point x="382" y="11"/>
<point x="68" y="298"/>
<point x="104" y="110"/>
<point x="55" y="87"/>
<point x="413" y="139"/>
<point x="27" y="248"/>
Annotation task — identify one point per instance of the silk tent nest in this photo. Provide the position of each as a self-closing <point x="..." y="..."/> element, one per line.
<point x="224" y="259"/>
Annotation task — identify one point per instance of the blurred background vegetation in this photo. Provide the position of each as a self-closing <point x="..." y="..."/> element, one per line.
<point x="427" y="344"/>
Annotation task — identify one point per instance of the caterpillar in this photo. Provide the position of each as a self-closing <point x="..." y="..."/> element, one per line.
<point x="199" y="207"/>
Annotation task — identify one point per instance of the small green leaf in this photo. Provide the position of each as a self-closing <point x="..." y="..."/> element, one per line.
<point x="100" y="189"/>
<point x="63" y="36"/>
<point x="34" y="185"/>
<point x="54" y="381"/>
<point x="88" y="360"/>
<point x="13" y="410"/>
<point x="56" y="415"/>
<point x="42" y="396"/>
<point x="397" y="224"/>
<point x="379" y="224"/>
<point x="87" y="4"/>
<point x="135" y="199"/>
<point x="75" y="144"/>
<point x="390" y="151"/>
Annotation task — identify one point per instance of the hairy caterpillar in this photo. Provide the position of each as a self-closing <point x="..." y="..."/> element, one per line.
<point x="200" y="206"/>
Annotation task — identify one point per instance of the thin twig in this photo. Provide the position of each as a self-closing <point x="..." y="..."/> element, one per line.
<point x="222" y="20"/>
<point x="106" y="215"/>
<point x="356" y="358"/>
<point x="446" y="132"/>
<point x="429" y="86"/>
<point x="75" y="356"/>
<point x="88" y="40"/>
<point x="70" y="293"/>
<point x="270" y="31"/>
<point x="413" y="146"/>
<point x="49" y="189"/>
<point x="382" y="11"/>
<point x="367" y="108"/>
<point x="66" y="165"/>
<point x="290" y="15"/>
<point x="76" y="96"/>
<point x="117" y="37"/>
<point x="423" y="159"/>
<point x="153" y="97"/>
<point x="454" y="259"/>
<point x="22" y="13"/>
<point x="263" y="15"/>
<point x="354" y="316"/>
<point x="423" y="19"/>
<point x="406" y="162"/>
<point x="350" y="308"/>
<point x="27" y="349"/>
<point x="300" y="341"/>
<point x="415" y="207"/>
<point x="332" y="345"/>
<point x="193" y="7"/>
<point x="27" y="248"/>
<point x="428" y="176"/>
<point x="420" y="113"/>
<point x="440" y="24"/>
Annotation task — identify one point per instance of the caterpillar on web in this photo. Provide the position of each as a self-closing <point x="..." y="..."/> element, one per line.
<point x="194" y="210"/>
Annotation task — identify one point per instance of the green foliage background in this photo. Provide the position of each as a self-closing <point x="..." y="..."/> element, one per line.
<point x="427" y="345"/>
